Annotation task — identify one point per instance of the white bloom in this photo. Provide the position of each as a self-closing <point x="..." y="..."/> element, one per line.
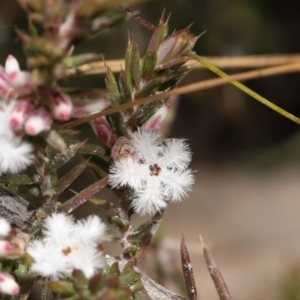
<point x="15" y="154"/>
<point x="155" y="170"/>
<point x="67" y="245"/>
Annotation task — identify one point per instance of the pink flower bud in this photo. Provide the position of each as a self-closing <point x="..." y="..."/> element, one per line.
<point x="11" y="65"/>
<point x="103" y="131"/>
<point x="61" y="105"/>
<point x="81" y="110"/>
<point x="5" y="248"/>
<point x="18" y="241"/>
<point x="20" y="80"/>
<point x="154" y="123"/>
<point x="122" y="148"/>
<point x="8" y="284"/>
<point x="20" y="113"/>
<point x="38" y="121"/>
<point x="175" y="46"/>
<point x="65" y="29"/>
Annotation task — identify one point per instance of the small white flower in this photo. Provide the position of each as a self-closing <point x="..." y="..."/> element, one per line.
<point x="15" y="154"/>
<point x="67" y="245"/>
<point x="155" y="170"/>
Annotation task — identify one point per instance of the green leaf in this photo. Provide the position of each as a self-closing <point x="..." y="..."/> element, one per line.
<point x="124" y="88"/>
<point x="149" y="88"/>
<point x="92" y="150"/>
<point x="20" y="179"/>
<point x="100" y="162"/>
<point x="144" y="113"/>
<point x="118" y="222"/>
<point x="112" y="270"/>
<point x="83" y="196"/>
<point x="139" y="292"/>
<point x="148" y="65"/>
<point x="67" y="179"/>
<point x="128" y="62"/>
<point x="159" y="35"/>
<point x="129" y="276"/>
<point x="78" y="60"/>
<point x="112" y="86"/>
<point x="102" y="203"/>
<point x="142" y="236"/>
<point x="135" y="67"/>
<point x="79" y="280"/>
<point x="62" y="287"/>
<point x="62" y="158"/>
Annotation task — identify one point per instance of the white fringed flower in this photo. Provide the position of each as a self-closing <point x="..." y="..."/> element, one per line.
<point x="15" y="154"/>
<point x="155" y="170"/>
<point x="68" y="245"/>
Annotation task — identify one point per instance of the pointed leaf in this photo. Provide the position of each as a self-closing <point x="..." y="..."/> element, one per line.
<point x="118" y="222"/>
<point x="83" y="196"/>
<point x="78" y="60"/>
<point x="99" y="172"/>
<point x="216" y="276"/>
<point x="187" y="271"/>
<point x="158" y="36"/>
<point x="135" y="67"/>
<point x="113" y="270"/>
<point x="148" y="65"/>
<point x="129" y="276"/>
<point x="20" y="179"/>
<point x="112" y="87"/>
<point x="63" y="287"/>
<point x="67" y="179"/>
<point x="144" y="113"/>
<point x="149" y="88"/>
<point x="92" y="149"/>
<point x="102" y="203"/>
<point x="62" y="158"/>
<point x="142" y="236"/>
<point x="79" y="280"/>
<point x="128" y="62"/>
<point x="124" y="88"/>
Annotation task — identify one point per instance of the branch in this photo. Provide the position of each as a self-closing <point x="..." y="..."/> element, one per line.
<point x="255" y="61"/>
<point x="17" y="210"/>
<point x="288" y="68"/>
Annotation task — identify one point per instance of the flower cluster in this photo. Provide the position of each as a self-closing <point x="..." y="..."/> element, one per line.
<point x="156" y="170"/>
<point x="31" y="114"/>
<point x="67" y="245"/>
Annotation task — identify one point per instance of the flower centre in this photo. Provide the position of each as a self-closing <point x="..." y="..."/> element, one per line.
<point x="154" y="170"/>
<point x="66" y="251"/>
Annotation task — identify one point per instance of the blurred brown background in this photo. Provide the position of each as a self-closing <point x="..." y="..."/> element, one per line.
<point x="246" y="202"/>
